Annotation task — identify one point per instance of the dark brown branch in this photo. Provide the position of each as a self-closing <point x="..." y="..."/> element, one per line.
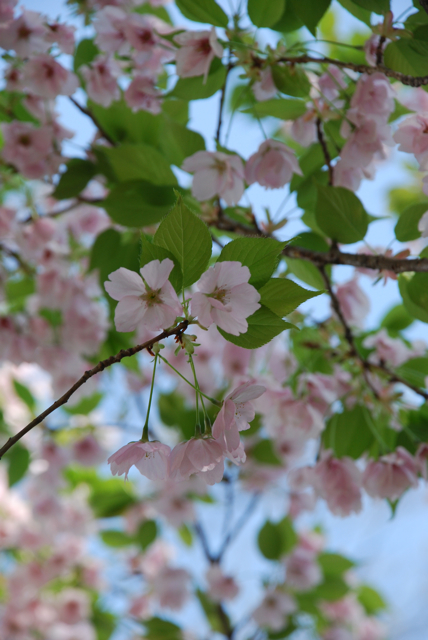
<point x="222" y="97"/>
<point x="123" y="353"/>
<point x="411" y="81"/>
<point x="379" y="50"/>
<point x="95" y="120"/>
<point x="16" y="256"/>
<point x="424" y="5"/>
<point x="321" y="140"/>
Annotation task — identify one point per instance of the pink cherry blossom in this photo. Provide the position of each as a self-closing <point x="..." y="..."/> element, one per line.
<point x="101" y="80"/>
<point x="220" y="586"/>
<point x="304" y="130"/>
<point x="143" y="95"/>
<point x="387" y="349"/>
<point x="225" y="298"/>
<point x="7" y="221"/>
<point x="274" y="609"/>
<point x="73" y="605"/>
<point x="45" y="77"/>
<point x="338" y="481"/>
<point x="110" y="23"/>
<point x="149" y="300"/>
<point x="88" y="452"/>
<point x="236" y="412"/>
<point x="354" y="303"/>
<point x="391" y="475"/>
<point x="140" y="607"/>
<point x="331" y="82"/>
<point x="302" y="570"/>
<point x="197" y="51"/>
<point x="6" y="10"/>
<point x="62" y="34"/>
<point x="235" y="360"/>
<point x="25" y="34"/>
<point x="216" y="174"/>
<point x="141" y="31"/>
<point x="373" y="98"/>
<point x="412" y="137"/>
<point x="203" y="456"/>
<point x="27" y="147"/>
<point x="150" y="458"/>
<point x="272" y="165"/>
<point x="264" y="88"/>
<point x="171" y="587"/>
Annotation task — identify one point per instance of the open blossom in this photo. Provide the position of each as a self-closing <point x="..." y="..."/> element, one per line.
<point x="216" y="174"/>
<point x="143" y="95"/>
<point x="225" y="298"/>
<point x="373" y="98"/>
<point x="171" y="587"/>
<point x="45" y="77"/>
<point x="150" y="458"/>
<point x="150" y="299"/>
<point x="236" y="413"/>
<point x="28" y="148"/>
<point x="272" y="165"/>
<point x="304" y="130"/>
<point x="303" y="571"/>
<point x="354" y="303"/>
<point x="331" y="82"/>
<point x="274" y="609"/>
<point x="25" y="35"/>
<point x="338" y="481"/>
<point x="391" y="475"/>
<point x="197" y="51"/>
<point x="201" y="456"/>
<point x="220" y="586"/>
<point x="387" y="349"/>
<point x="6" y="10"/>
<point x="110" y="23"/>
<point x="412" y="137"/>
<point x="264" y="88"/>
<point x="62" y="34"/>
<point x="101" y="80"/>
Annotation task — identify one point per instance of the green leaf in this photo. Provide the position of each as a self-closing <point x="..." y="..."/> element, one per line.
<point x="85" y="405"/>
<point x="198" y="88"/>
<point x="103" y="621"/>
<point x="407" y="226"/>
<point x="264" y="453"/>
<point x="138" y="162"/>
<point x="333" y="564"/>
<point x="206" y="11"/>
<point x="407" y="56"/>
<point x="349" y="433"/>
<point x="265" y="14"/>
<point x="310" y="12"/>
<point x="289" y="20"/>
<point x="216" y="620"/>
<point x="25" y="394"/>
<point x="277" y="539"/>
<point x="292" y="81"/>
<point x="159" y="629"/>
<point x="333" y="588"/>
<point x="174" y="413"/>
<point x="302" y="269"/>
<point x="260" y="255"/>
<point x="371" y="600"/>
<point x="358" y="12"/>
<point x="124" y="125"/>
<point x="17" y="292"/>
<point x="397" y="319"/>
<point x="146" y="534"/>
<point x="400" y="110"/>
<point x="414" y="371"/>
<point x="415" y="309"/>
<point x="112" y="250"/>
<point x="282" y="296"/>
<point x="377" y="6"/>
<point x="116" y="539"/>
<point x="137" y="203"/>
<point x="179" y="143"/>
<point x="186" y="535"/>
<point x="188" y="239"/>
<point x="111" y="498"/>
<point x="74" y="179"/>
<point x="263" y="326"/>
<point x="150" y="251"/>
<point x="417" y="289"/>
<point x="278" y="108"/>
<point x="18" y="460"/>
<point x="86" y="51"/>
<point x="340" y="214"/>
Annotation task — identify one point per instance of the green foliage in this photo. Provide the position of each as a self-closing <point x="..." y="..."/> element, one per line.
<point x="407" y="226"/>
<point x="116" y="539"/>
<point x="178" y="142"/>
<point x="302" y="269"/>
<point x="188" y="239"/>
<point x="309" y="12"/>
<point x="349" y="433"/>
<point x="17" y="291"/>
<point x="186" y="535"/>
<point x="103" y="621"/>
<point x="277" y="539"/>
<point x="74" y="179"/>
<point x="397" y="319"/>
<point x="108" y="497"/>
<point x="377" y="6"/>
<point x="333" y="564"/>
<point x="25" y="394"/>
<point x="284" y="109"/>
<point x="145" y="535"/>
<point x="340" y="214"/>
<point x="203" y="11"/>
<point x="333" y="588"/>
<point x="289" y="20"/>
<point x="292" y="81"/>
<point x="414" y="371"/>
<point x="407" y="56"/>
<point x="263" y="326"/>
<point x="18" y="460"/>
<point x="123" y="125"/>
<point x="86" y="51"/>
<point x="216" y="620"/>
<point x="265" y="14"/>
<point x="160" y="629"/>
<point x="138" y="162"/>
<point x="411" y="302"/>
<point x="282" y="296"/>
<point x="197" y="88"/>
<point x="371" y="600"/>
<point x="260" y="255"/>
<point x="85" y="405"/>
<point x="138" y="203"/>
<point x="358" y="12"/>
<point x="150" y="251"/>
<point x="264" y="453"/>
<point x="112" y="250"/>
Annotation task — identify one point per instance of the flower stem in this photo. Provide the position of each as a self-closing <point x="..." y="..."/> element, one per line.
<point x="145" y="435"/>
<point x="216" y="402"/>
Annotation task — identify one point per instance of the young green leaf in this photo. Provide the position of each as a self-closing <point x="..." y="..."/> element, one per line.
<point x="263" y="325"/>
<point x="74" y="179"/>
<point x="138" y="162"/>
<point x="282" y="296"/>
<point x="137" y="203"/>
<point x="188" y="239"/>
<point x="407" y="226"/>
<point x="292" y="81"/>
<point x="278" y="108"/>
<point x="18" y="460"/>
<point x="277" y="539"/>
<point x="150" y="251"/>
<point x="265" y="14"/>
<point x="310" y="12"/>
<point x="350" y="433"/>
<point x="203" y="11"/>
<point x="198" y="88"/>
<point x="340" y="214"/>
<point x="260" y="255"/>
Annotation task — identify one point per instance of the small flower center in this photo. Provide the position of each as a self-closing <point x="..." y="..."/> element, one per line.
<point x="220" y="295"/>
<point x="151" y="297"/>
<point x="204" y="46"/>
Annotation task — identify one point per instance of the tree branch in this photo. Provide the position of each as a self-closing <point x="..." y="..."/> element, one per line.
<point x="103" y="364"/>
<point x="424" y="5"/>
<point x="95" y="121"/>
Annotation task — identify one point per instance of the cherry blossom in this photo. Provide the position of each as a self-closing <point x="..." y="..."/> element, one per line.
<point x="28" y="148"/>
<point x="391" y="475"/>
<point x="302" y="570"/>
<point x="236" y="413"/>
<point x="354" y="303"/>
<point x="197" y="50"/>
<point x="274" y="609"/>
<point x="216" y="174"/>
<point x="264" y="88"/>
<point x="203" y="456"/>
<point x="62" y="35"/>
<point x="338" y="481"/>
<point x="149" y="299"/>
<point x="225" y="298"/>
<point x="101" y="80"/>
<point x="46" y="78"/>
<point x="110" y="23"/>
<point x="411" y="136"/>
<point x="272" y="165"/>
<point x="220" y="586"/>
<point x="25" y="34"/>
<point x="142" y="94"/>
<point x="150" y="458"/>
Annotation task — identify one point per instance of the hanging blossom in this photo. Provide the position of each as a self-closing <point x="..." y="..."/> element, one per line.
<point x="201" y="456"/>
<point x="46" y="78"/>
<point x="225" y="297"/>
<point x="236" y="414"/>
<point x="391" y="475"/>
<point x="197" y="50"/>
<point x="101" y="80"/>
<point x="216" y="174"/>
<point x="149" y="299"/>
<point x="150" y="458"/>
<point x="272" y="165"/>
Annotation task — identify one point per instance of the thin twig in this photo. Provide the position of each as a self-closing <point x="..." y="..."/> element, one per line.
<point x="222" y="97"/>
<point x="237" y="529"/>
<point x="325" y="151"/>
<point x="103" y="364"/>
<point x="379" y="50"/>
<point x="204" y="542"/>
<point x="95" y="121"/>
<point x="29" y="270"/>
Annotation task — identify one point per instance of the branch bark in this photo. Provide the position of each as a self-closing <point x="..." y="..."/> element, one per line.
<point x="95" y="120"/>
<point x="103" y="364"/>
